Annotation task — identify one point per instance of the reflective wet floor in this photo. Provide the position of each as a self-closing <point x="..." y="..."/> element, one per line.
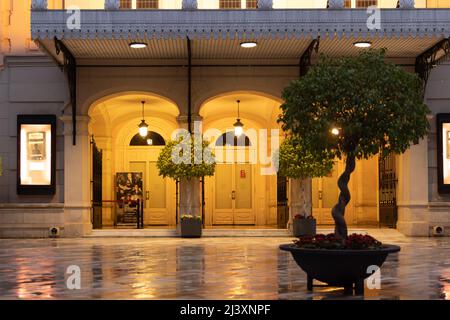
<point x="207" y="268"/>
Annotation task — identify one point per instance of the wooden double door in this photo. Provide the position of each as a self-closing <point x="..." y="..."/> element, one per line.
<point x="155" y="191"/>
<point x="233" y="194"/>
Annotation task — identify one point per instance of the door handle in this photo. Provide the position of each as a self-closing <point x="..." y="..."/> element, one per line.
<point x="320" y="195"/>
<point x="147" y="195"/>
<point x="233" y="195"/>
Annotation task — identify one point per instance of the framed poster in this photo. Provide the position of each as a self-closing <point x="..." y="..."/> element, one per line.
<point x="36" y="154"/>
<point x="128" y="192"/>
<point x="443" y="152"/>
<point x="129" y="186"/>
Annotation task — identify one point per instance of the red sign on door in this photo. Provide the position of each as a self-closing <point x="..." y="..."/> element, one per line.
<point x="243" y="174"/>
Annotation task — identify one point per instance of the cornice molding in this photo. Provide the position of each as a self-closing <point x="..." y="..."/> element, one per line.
<point x="240" y="24"/>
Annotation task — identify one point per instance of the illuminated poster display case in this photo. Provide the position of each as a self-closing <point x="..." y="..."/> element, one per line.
<point x="443" y="152"/>
<point x="36" y="154"/>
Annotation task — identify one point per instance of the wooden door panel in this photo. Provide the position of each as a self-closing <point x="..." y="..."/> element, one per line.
<point x="223" y="202"/>
<point x="157" y="204"/>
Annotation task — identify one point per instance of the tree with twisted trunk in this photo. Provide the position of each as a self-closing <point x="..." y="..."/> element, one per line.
<point x="354" y="108"/>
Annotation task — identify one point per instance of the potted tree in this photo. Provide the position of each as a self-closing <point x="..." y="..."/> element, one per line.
<point x="352" y="108"/>
<point x="187" y="159"/>
<point x="190" y="226"/>
<point x="299" y="165"/>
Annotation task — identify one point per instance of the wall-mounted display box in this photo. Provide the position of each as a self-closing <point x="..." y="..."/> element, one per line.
<point x="36" y="154"/>
<point x="443" y="152"/>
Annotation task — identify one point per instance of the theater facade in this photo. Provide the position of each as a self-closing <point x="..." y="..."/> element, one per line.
<point x="77" y="79"/>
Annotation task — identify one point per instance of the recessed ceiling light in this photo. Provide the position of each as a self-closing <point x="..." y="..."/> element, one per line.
<point x="362" y="44"/>
<point x="138" y="45"/>
<point x="248" y="44"/>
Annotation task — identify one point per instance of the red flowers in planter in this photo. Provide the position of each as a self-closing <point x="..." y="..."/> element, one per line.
<point x="329" y="241"/>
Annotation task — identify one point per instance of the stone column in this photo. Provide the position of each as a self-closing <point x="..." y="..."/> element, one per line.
<point x="300" y="198"/>
<point x="412" y="193"/>
<point x="77" y="198"/>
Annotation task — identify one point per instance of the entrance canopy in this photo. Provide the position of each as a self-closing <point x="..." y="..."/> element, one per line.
<point x="283" y="36"/>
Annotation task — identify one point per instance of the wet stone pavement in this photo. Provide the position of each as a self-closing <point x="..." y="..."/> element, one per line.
<point x="207" y="268"/>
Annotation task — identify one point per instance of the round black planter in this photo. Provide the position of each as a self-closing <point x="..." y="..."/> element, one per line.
<point x="339" y="268"/>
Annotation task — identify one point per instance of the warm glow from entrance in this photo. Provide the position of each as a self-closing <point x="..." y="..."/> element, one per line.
<point x="143" y="129"/>
<point x="238" y="129"/>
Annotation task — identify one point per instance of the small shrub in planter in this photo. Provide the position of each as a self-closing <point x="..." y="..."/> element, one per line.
<point x="304" y="225"/>
<point x="191" y="226"/>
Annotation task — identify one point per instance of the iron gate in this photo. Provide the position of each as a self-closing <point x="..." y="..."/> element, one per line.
<point x="282" y="203"/>
<point x="97" y="168"/>
<point x="387" y="191"/>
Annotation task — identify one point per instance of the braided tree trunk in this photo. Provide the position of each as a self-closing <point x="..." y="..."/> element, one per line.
<point x="338" y="210"/>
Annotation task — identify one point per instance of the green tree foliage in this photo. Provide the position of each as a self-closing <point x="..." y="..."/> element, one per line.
<point x="186" y="159"/>
<point x="297" y="163"/>
<point x="377" y="106"/>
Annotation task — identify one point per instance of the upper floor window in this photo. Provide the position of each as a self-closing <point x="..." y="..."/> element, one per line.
<point x="251" y="4"/>
<point x="229" y="4"/>
<point x="139" y="4"/>
<point x="360" y="3"/>
<point x="125" y="4"/>
<point x="147" y="4"/>
<point x="366" y="3"/>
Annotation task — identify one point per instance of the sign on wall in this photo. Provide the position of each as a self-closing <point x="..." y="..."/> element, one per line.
<point x="36" y="136"/>
<point x="443" y="151"/>
<point x="128" y="192"/>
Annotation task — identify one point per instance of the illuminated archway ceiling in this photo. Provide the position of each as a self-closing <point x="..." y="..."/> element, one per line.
<point x="251" y="106"/>
<point x="128" y="106"/>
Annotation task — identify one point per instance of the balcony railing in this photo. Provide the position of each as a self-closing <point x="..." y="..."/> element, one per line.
<point x="222" y="4"/>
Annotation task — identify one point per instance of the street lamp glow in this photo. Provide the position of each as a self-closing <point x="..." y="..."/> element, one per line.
<point x="143" y="126"/>
<point x="362" y="44"/>
<point x="238" y="128"/>
<point x="143" y="129"/>
<point x="335" y="131"/>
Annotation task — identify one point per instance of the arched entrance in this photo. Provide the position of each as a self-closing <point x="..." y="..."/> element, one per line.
<point x="113" y="125"/>
<point x="243" y="191"/>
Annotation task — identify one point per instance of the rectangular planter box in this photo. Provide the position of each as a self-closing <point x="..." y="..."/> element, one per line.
<point x="304" y="227"/>
<point x="191" y="228"/>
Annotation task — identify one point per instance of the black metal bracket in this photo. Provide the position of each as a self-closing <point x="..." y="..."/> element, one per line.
<point x="69" y="67"/>
<point x="305" y="59"/>
<point x="189" y="51"/>
<point x="429" y="59"/>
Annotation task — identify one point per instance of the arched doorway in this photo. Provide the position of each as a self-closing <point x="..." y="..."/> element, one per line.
<point x="233" y="189"/>
<point x="114" y="126"/>
<point x="242" y="192"/>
